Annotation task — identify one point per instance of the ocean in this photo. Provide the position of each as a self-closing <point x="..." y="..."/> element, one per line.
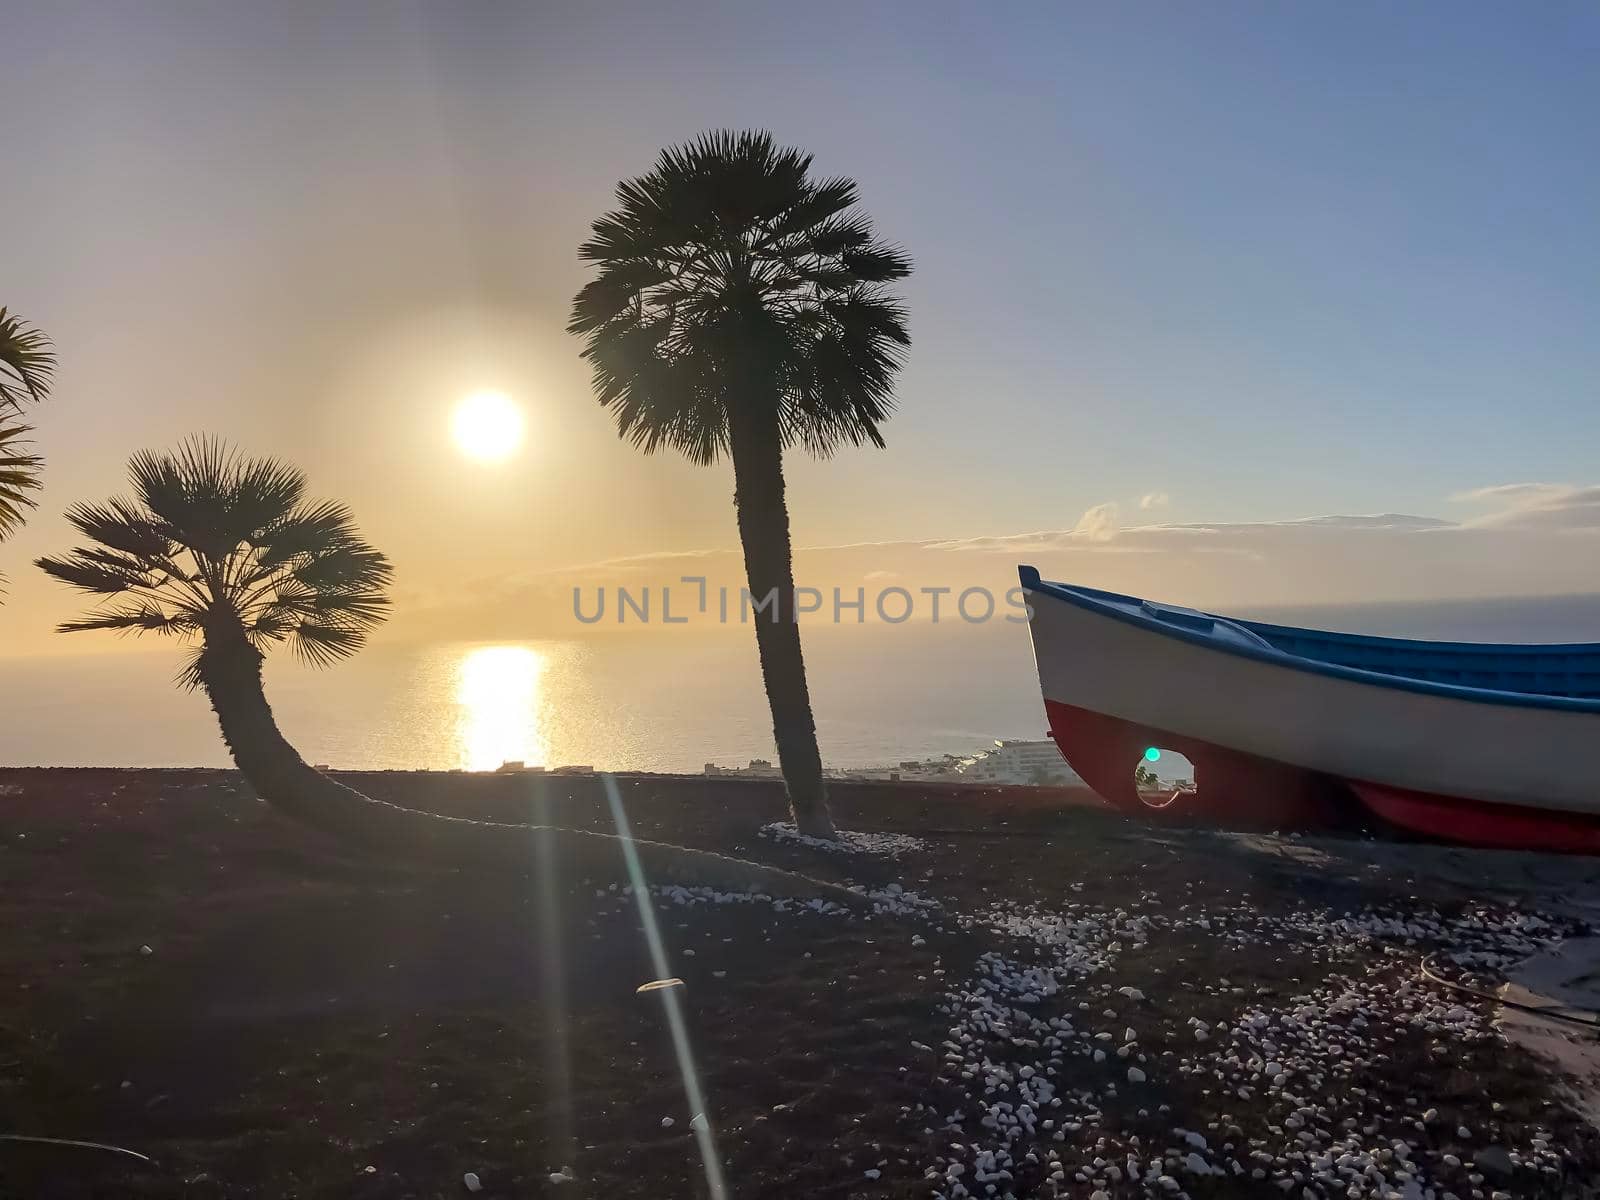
<point x="656" y="700"/>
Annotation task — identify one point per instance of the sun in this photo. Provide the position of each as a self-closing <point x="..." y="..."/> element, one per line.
<point x="487" y="426"/>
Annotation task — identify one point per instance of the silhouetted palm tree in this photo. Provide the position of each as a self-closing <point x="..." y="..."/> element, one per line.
<point x="26" y="365"/>
<point x="741" y="309"/>
<point x="226" y="554"/>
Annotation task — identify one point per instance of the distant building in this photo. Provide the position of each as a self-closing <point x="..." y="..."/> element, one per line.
<point x="932" y="770"/>
<point x="760" y="768"/>
<point x="1019" y="763"/>
<point x="1009" y="763"/>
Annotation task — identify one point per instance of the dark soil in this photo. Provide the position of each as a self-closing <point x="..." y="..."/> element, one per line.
<point x="185" y="975"/>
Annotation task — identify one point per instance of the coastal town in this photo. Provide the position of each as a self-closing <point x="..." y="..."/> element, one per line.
<point x="1006" y="762"/>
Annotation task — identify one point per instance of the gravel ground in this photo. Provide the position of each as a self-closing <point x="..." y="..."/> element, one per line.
<point x="1036" y="999"/>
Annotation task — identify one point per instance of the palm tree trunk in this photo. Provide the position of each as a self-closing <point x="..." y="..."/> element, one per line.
<point x="769" y="568"/>
<point x="230" y="673"/>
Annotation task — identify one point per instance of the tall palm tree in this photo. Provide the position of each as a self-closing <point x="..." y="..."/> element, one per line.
<point x="226" y="554"/>
<point x="741" y="309"/>
<point x="26" y="365"/>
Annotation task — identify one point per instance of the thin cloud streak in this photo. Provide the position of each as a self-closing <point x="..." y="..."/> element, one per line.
<point x="1554" y="507"/>
<point x="1525" y="547"/>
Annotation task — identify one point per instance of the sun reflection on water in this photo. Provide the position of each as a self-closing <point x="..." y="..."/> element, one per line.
<point x="498" y="700"/>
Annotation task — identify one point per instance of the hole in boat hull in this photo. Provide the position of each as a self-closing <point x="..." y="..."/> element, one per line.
<point x="1164" y="778"/>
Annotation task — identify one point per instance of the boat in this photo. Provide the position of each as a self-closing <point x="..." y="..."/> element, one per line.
<point x="1292" y="728"/>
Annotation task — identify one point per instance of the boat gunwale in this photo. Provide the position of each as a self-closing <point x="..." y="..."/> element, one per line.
<point x="1101" y="603"/>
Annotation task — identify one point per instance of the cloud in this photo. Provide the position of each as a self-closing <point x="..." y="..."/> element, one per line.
<point x="1098" y="530"/>
<point x="1515" y="492"/>
<point x="1525" y="546"/>
<point x="1399" y="521"/>
<point x="1154" y="500"/>
<point x="1551" y="507"/>
<point x="1099" y="524"/>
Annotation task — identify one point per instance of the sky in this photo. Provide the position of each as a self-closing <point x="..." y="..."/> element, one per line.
<point x="1191" y="282"/>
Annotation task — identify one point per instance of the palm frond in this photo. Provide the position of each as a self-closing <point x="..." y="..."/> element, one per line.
<point x="341" y="569"/>
<point x="266" y="492"/>
<point x="308" y="530"/>
<point x="80" y="570"/>
<point x="322" y="643"/>
<point x="211" y="539"/>
<point x="729" y="277"/>
<point x="122" y="525"/>
<point x="190" y="678"/>
<point x="136" y="618"/>
<point x="19" y="476"/>
<point x="27" y="362"/>
<point x="876" y="264"/>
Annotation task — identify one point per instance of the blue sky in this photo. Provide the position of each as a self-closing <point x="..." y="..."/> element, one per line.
<point x="1274" y="261"/>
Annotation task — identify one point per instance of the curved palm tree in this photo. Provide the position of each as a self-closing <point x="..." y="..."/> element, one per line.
<point x="740" y="309"/>
<point x="226" y="554"/>
<point x="26" y="365"/>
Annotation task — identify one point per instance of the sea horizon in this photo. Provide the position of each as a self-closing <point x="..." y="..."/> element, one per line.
<point x="653" y="701"/>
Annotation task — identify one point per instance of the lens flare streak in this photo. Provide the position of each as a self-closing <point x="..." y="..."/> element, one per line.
<point x="669" y="998"/>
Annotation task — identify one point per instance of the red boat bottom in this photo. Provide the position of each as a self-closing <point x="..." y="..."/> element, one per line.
<point x="1478" y="823"/>
<point x="1230" y="787"/>
<point x="1241" y="790"/>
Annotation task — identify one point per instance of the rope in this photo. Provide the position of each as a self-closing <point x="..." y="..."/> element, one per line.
<point x="49" y="1141"/>
<point x="1554" y="1014"/>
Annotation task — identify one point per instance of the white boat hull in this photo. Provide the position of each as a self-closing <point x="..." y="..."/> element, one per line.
<point x="1355" y="731"/>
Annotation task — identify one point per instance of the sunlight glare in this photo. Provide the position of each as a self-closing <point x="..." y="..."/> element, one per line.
<point x="488" y="426"/>
<point x="498" y="696"/>
<point x="670" y="1003"/>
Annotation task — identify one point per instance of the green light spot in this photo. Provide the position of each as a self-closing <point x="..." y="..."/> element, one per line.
<point x="1152" y="755"/>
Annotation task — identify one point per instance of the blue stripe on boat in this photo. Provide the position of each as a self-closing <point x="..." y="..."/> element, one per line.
<point x="1529" y="675"/>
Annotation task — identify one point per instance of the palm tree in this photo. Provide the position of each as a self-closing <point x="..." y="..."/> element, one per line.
<point x="26" y="364"/>
<point x="226" y="554"/>
<point x="740" y="309"/>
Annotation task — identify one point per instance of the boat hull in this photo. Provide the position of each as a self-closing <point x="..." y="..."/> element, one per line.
<point x="1282" y="747"/>
<point x="1245" y="791"/>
